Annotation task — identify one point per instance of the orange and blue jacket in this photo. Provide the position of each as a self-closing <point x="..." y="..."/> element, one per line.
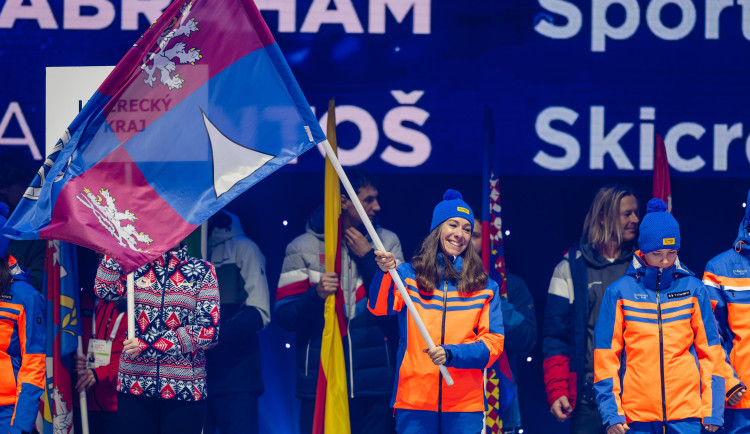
<point x="727" y="278"/>
<point x="655" y="345"/>
<point x="469" y="326"/>
<point x="22" y="351"/>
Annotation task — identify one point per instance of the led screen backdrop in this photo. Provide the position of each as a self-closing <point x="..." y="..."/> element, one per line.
<point x="576" y="88"/>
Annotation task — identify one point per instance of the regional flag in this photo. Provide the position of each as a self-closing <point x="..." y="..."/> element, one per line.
<point x="662" y="187"/>
<point x="331" y="401"/>
<point x="201" y="108"/>
<point x="63" y="329"/>
<point x="499" y="387"/>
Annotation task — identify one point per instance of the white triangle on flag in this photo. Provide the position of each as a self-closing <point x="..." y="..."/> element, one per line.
<point x="232" y="162"/>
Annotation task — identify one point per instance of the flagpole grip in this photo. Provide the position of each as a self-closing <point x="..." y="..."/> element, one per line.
<point x="379" y="246"/>
<point x="131" y="306"/>
<point x="82" y="395"/>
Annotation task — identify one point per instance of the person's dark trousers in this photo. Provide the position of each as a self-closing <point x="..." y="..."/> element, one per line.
<point x="99" y="421"/>
<point x="586" y="420"/>
<point x="142" y="415"/>
<point x="368" y="415"/>
<point x="232" y="413"/>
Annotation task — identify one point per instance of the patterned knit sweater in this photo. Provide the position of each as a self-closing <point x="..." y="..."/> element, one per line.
<point x="176" y="314"/>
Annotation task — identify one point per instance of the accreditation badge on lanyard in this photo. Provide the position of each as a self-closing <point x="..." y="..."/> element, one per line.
<point x="100" y="350"/>
<point x="99" y="353"/>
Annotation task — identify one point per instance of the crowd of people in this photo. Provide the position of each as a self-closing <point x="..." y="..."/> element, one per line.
<point x="632" y="340"/>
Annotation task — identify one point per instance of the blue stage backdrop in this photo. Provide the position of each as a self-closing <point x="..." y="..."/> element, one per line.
<point x="576" y="88"/>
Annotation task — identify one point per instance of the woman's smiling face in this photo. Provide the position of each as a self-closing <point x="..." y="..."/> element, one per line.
<point x="455" y="235"/>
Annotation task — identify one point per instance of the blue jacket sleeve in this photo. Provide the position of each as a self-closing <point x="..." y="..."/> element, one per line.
<point x="707" y="347"/>
<point x="32" y="336"/>
<point x="608" y="345"/>
<point x="519" y="318"/>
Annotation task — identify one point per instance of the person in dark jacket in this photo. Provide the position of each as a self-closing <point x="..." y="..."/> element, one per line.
<point x="233" y="367"/>
<point x="17" y="170"/>
<point x="370" y="344"/>
<point x="519" y="322"/>
<point x="573" y="300"/>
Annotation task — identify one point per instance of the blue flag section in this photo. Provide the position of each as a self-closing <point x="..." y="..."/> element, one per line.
<point x="63" y="329"/>
<point x="188" y="119"/>
<point x="577" y="88"/>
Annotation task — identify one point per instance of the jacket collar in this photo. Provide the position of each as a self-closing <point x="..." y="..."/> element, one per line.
<point x="648" y="275"/>
<point x="742" y="243"/>
<point x="16" y="271"/>
<point x="173" y="257"/>
<point x="457" y="261"/>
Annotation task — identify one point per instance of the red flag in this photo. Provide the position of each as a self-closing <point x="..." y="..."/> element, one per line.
<point x="662" y="187"/>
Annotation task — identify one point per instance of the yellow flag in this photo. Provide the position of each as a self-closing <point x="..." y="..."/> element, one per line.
<point x="332" y="404"/>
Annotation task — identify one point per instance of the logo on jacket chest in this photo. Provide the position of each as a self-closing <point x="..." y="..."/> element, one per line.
<point x="739" y="272"/>
<point x="678" y="294"/>
<point x="640" y="296"/>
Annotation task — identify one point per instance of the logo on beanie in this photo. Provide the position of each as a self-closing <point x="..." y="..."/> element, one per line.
<point x="668" y="241"/>
<point x="462" y="209"/>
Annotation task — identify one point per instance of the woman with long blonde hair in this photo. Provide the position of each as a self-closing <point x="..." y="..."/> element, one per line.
<point x="575" y="294"/>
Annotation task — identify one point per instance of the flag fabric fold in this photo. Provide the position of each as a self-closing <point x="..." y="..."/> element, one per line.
<point x="499" y="386"/>
<point x="63" y="329"/>
<point x="662" y="187"/>
<point x="331" y="400"/>
<point x="201" y="108"/>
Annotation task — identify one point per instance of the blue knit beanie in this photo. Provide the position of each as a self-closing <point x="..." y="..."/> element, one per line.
<point x="659" y="230"/>
<point x="4" y="241"/>
<point x="451" y="206"/>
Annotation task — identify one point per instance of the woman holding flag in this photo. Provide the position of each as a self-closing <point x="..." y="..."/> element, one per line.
<point x="22" y="342"/>
<point x="461" y="309"/>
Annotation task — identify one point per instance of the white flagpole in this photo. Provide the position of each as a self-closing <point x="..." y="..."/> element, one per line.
<point x="204" y="240"/>
<point x="131" y="306"/>
<point x="82" y="396"/>
<point x="379" y="245"/>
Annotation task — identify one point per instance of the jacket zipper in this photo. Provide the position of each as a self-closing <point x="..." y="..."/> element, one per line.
<point x="161" y="313"/>
<point x="442" y="342"/>
<point x="661" y="351"/>
<point x="349" y="313"/>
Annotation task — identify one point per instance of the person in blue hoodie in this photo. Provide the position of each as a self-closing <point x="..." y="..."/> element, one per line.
<point x="727" y="278"/>
<point x="519" y="322"/>
<point x="22" y="342"/>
